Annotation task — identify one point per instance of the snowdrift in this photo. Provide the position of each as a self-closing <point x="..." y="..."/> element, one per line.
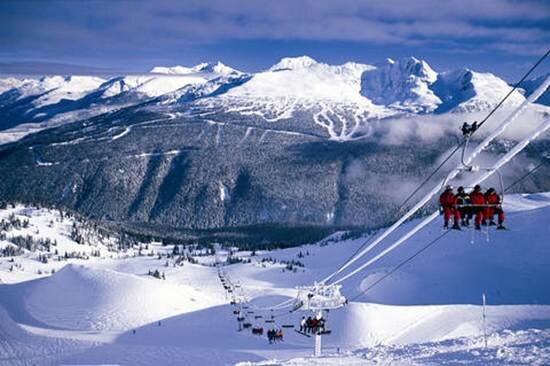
<point x="83" y="298"/>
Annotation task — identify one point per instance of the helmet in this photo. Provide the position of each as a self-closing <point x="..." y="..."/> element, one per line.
<point x="477" y="187"/>
<point x="449" y="188"/>
<point x="491" y="189"/>
<point x="460" y="189"/>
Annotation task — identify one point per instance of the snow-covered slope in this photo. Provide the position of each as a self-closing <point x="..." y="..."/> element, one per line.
<point x="340" y="99"/>
<point x="469" y="91"/>
<point x="90" y="299"/>
<point x="205" y="67"/>
<point x="111" y="311"/>
<point x="304" y="78"/>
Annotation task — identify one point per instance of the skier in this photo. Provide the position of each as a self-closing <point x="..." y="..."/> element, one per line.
<point x="447" y="200"/>
<point x="494" y="200"/>
<point x="477" y="200"/>
<point x="463" y="204"/>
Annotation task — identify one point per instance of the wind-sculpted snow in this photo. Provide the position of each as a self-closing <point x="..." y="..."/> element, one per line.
<point x="79" y="298"/>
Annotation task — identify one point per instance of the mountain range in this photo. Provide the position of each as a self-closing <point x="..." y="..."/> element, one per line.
<point x="195" y="151"/>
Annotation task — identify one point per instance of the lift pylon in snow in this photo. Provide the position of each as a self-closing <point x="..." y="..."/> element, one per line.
<point x="319" y="298"/>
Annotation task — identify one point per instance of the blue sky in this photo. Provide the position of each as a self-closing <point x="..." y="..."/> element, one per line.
<point x="501" y="36"/>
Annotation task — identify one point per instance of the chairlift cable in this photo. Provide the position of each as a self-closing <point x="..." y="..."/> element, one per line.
<point x="525" y="175"/>
<point x="404" y="262"/>
<point x="520" y="146"/>
<point x="453" y="173"/>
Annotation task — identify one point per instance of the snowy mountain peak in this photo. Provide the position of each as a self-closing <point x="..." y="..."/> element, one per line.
<point x="292" y="63"/>
<point x="413" y="66"/>
<point x="210" y="67"/>
<point x="403" y="84"/>
<point x="171" y="70"/>
<point x="215" y="67"/>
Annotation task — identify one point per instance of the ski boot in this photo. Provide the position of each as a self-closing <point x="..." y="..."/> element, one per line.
<point x="478" y="227"/>
<point x="501" y="227"/>
<point x="456" y="227"/>
<point x="492" y="223"/>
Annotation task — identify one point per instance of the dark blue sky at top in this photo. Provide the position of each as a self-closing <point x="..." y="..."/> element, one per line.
<point x="501" y="36"/>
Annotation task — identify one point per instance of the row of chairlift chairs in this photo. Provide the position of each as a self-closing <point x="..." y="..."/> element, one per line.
<point x="318" y="299"/>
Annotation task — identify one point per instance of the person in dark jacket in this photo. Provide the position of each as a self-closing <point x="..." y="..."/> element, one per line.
<point x="463" y="204"/>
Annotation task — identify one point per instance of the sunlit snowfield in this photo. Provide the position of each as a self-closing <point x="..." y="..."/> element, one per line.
<point x="108" y="309"/>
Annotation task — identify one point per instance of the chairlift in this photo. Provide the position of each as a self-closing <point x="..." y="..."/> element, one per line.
<point x="258" y="330"/>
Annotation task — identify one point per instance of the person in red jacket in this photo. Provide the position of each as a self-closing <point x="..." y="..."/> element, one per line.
<point x="478" y="203"/>
<point x="447" y="200"/>
<point x="493" y="200"/>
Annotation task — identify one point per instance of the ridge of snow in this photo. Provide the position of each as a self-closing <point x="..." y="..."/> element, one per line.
<point x="204" y="67"/>
<point x="465" y="90"/>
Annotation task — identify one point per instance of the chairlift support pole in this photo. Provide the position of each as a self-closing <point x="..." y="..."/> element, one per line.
<point x="319" y="298"/>
<point x="484" y="316"/>
<point x="317" y="350"/>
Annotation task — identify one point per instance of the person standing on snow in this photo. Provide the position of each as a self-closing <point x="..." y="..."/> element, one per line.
<point x="477" y="200"/>
<point x="447" y="200"/>
<point x="493" y="200"/>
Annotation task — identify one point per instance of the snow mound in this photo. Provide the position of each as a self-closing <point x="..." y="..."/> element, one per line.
<point x="82" y="298"/>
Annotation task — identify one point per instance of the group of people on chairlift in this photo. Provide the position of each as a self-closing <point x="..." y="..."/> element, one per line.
<point x="464" y="206"/>
<point x="312" y="325"/>
<point x="274" y="335"/>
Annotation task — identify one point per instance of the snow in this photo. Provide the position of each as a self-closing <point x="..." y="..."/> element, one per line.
<point x="465" y="90"/>
<point x="402" y="84"/>
<point x="107" y="300"/>
<point x="343" y="100"/>
<point x="150" y="85"/>
<point x="428" y="312"/>
<point x="204" y="67"/>
<point x="304" y="78"/>
<point x="293" y="63"/>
